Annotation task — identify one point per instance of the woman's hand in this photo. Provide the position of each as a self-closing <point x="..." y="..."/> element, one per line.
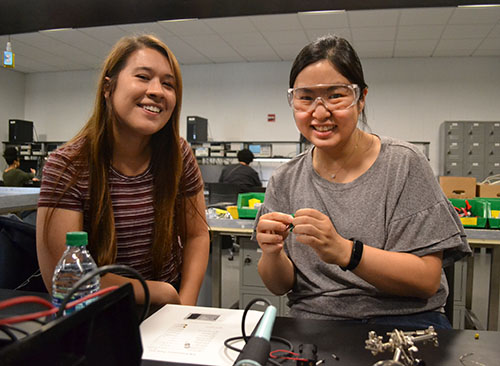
<point x="275" y="268"/>
<point x="316" y="230"/>
<point x="272" y="230"/>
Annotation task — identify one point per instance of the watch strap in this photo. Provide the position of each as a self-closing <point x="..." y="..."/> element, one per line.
<point x="356" y="254"/>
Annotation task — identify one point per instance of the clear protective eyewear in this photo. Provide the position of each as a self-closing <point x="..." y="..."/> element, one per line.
<point x="335" y="97"/>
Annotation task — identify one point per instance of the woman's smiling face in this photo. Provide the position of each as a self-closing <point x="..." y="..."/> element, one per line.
<point x="322" y="127"/>
<point x="144" y="97"/>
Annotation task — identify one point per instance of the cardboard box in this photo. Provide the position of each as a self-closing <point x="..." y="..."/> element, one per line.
<point x="458" y="187"/>
<point x="488" y="190"/>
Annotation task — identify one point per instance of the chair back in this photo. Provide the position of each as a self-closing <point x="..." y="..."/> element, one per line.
<point x="223" y="194"/>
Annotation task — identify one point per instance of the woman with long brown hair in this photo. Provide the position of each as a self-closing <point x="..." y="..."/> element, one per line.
<point x="130" y="180"/>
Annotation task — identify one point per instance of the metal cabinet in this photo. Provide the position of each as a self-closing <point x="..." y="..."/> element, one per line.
<point x="251" y="286"/>
<point x="471" y="148"/>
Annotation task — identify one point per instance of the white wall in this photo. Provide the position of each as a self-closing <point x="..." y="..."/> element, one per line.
<point x="11" y="103"/>
<point x="60" y="102"/>
<point x="408" y="98"/>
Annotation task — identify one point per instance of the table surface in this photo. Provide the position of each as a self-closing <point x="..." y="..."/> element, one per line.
<point x="13" y="199"/>
<point x="347" y="342"/>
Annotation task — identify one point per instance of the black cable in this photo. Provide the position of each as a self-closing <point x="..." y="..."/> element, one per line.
<point x="7" y="331"/>
<point x="42" y="322"/>
<point x="105" y="269"/>
<point x="245" y="337"/>
<point x="17" y="329"/>
<point x="245" y="311"/>
<point x="273" y="338"/>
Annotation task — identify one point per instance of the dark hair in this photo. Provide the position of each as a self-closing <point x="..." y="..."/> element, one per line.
<point x="245" y="156"/>
<point x="10" y="154"/>
<point x="341" y="55"/>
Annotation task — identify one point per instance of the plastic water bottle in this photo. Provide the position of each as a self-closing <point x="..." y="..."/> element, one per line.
<point x="73" y="265"/>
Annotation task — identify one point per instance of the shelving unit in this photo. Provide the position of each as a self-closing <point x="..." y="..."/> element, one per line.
<point x="224" y="152"/>
<point x="33" y="154"/>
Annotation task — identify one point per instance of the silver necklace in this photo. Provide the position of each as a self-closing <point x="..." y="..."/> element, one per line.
<point x="333" y="175"/>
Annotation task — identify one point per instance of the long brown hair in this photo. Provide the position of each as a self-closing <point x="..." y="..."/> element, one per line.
<point x="96" y="151"/>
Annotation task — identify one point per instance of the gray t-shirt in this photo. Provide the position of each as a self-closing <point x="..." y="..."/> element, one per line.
<point x="397" y="205"/>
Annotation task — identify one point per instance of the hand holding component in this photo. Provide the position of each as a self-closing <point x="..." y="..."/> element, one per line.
<point x="315" y="229"/>
<point x="272" y="230"/>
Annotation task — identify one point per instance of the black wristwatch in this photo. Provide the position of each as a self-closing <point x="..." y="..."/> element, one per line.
<point x="357" y="252"/>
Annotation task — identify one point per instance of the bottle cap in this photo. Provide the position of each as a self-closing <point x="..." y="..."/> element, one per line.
<point x="76" y="238"/>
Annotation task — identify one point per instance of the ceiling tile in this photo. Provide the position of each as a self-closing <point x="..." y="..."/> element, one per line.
<point x="419" y="32"/>
<point x="187" y="28"/>
<point x="414" y="48"/>
<point x="49" y="51"/>
<point x="276" y="22"/>
<point x="490" y="44"/>
<point x="486" y="52"/>
<point x="317" y="33"/>
<point x="374" y="34"/>
<point x="323" y="20"/>
<point x="109" y="34"/>
<point x="146" y="28"/>
<point x="227" y="59"/>
<point x="466" y="31"/>
<point x="257" y="53"/>
<point x="288" y="52"/>
<point x="486" y="15"/>
<point x="286" y="37"/>
<point x="495" y="32"/>
<point x="82" y="41"/>
<point x="374" y="49"/>
<point x="368" y="18"/>
<point x="212" y="46"/>
<point x="185" y="53"/>
<point x="456" y="47"/>
<point x="231" y="25"/>
<point x="425" y="16"/>
<point x="245" y="39"/>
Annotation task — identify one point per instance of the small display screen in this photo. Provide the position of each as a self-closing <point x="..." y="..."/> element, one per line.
<point x="199" y="316"/>
<point x="254" y="148"/>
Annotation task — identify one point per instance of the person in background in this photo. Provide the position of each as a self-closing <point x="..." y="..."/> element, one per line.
<point x="357" y="227"/>
<point x="241" y="174"/>
<point x="130" y="180"/>
<point x="13" y="176"/>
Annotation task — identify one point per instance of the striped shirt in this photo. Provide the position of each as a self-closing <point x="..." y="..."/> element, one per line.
<point x="132" y="200"/>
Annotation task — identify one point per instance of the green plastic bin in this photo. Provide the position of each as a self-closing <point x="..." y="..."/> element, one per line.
<point x="479" y="210"/>
<point x="493" y="210"/>
<point x="244" y="212"/>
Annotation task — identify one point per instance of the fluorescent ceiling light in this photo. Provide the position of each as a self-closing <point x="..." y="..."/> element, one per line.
<point x="55" y="30"/>
<point x="177" y="20"/>
<point x="479" y="6"/>
<point x="322" y="12"/>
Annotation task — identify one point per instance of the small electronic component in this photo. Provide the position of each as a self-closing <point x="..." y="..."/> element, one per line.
<point x="308" y="355"/>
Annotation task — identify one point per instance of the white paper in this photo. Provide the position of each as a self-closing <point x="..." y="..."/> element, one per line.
<point x="194" y="334"/>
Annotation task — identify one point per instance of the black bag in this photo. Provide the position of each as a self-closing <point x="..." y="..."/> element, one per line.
<point x="18" y="260"/>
